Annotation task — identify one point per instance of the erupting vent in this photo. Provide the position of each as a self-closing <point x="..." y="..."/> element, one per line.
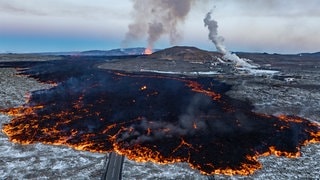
<point x="153" y="118"/>
<point x="147" y="51"/>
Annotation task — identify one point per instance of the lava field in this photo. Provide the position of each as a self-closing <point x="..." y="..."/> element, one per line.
<point x="151" y="117"/>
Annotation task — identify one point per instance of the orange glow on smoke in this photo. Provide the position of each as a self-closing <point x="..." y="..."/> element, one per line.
<point x="147" y="51"/>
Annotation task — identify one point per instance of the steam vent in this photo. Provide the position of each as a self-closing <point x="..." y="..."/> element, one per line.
<point x="150" y="117"/>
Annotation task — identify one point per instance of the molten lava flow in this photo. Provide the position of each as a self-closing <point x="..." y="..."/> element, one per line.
<point x="197" y="88"/>
<point x="147" y="51"/>
<point x="152" y="118"/>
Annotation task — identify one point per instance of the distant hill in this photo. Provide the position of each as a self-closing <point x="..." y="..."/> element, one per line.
<point x="310" y="54"/>
<point x="114" y="52"/>
<point x="185" y="53"/>
<point x="172" y="53"/>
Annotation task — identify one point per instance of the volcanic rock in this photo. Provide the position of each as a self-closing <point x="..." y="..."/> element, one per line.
<point x="186" y="53"/>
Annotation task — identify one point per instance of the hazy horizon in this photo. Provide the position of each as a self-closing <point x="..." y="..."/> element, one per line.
<point x="211" y="50"/>
<point x="271" y="26"/>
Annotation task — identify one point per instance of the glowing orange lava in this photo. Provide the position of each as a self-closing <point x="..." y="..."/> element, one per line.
<point x="196" y="87"/>
<point x="147" y="51"/>
<point x="158" y="119"/>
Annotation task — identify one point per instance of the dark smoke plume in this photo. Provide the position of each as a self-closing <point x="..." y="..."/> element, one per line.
<point x="157" y="18"/>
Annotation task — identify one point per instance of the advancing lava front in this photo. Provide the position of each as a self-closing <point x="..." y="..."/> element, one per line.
<point x="148" y="117"/>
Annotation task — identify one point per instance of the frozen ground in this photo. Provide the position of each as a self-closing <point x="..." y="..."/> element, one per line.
<point x="269" y="95"/>
<point x="38" y="161"/>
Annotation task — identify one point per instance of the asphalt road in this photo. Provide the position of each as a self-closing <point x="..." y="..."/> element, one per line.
<point x="113" y="169"/>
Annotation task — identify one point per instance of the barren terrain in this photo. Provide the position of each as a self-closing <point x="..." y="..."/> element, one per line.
<point x="294" y="90"/>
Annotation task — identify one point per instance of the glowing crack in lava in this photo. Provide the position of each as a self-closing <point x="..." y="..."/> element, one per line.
<point x="154" y="118"/>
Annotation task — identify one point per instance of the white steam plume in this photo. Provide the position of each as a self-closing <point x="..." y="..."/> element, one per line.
<point x="218" y="42"/>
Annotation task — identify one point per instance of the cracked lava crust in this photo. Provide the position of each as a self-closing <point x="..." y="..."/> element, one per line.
<point x="148" y="117"/>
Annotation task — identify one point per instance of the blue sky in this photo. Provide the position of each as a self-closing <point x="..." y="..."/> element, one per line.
<point x="67" y="25"/>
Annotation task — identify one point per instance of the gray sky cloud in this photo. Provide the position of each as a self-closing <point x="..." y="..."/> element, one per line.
<point x="271" y="7"/>
<point x="60" y="8"/>
<point x="247" y="25"/>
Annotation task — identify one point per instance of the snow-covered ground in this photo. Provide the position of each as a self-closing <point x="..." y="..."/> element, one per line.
<point x="38" y="161"/>
<point x="181" y="73"/>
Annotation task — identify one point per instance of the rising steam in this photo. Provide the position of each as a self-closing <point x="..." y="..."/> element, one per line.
<point x="218" y="42"/>
<point x="157" y="18"/>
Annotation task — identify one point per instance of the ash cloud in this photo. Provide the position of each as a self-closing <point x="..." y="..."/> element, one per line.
<point x="157" y="18"/>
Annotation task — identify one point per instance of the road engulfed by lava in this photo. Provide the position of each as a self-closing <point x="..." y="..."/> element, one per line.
<point x="151" y="118"/>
